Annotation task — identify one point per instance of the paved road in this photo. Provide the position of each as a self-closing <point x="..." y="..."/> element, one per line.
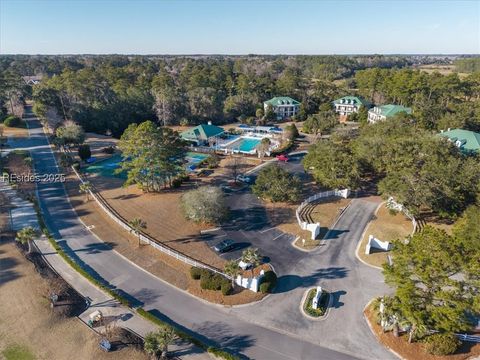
<point x="220" y="325"/>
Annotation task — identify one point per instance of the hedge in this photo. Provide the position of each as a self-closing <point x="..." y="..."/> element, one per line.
<point x="442" y="344"/>
<point x="12" y="121"/>
<point x="180" y="333"/>
<point x="195" y="273"/>
<point x="268" y="282"/>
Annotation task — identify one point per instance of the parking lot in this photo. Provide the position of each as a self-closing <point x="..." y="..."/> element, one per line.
<point x="250" y="227"/>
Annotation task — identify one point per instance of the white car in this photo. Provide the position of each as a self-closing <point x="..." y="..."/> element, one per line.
<point x="244" y="178"/>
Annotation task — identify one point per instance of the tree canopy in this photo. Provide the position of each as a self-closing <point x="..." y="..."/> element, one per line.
<point x="152" y="156"/>
<point x="277" y="185"/>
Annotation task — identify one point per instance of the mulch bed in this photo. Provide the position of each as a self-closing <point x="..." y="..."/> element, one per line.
<point x="416" y="351"/>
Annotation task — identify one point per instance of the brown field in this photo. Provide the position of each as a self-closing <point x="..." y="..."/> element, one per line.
<point x="165" y="267"/>
<point x="442" y="69"/>
<point x="326" y="212"/>
<point x="16" y="165"/>
<point x="27" y="325"/>
<point x="386" y="227"/>
<point x="14" y="131"/>
<point x="416" y="351"/>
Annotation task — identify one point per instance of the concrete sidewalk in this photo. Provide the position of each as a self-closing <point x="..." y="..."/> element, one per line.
<point x="24" y="213"/>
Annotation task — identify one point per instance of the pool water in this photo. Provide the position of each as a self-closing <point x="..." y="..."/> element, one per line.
<point x="195" y="158"/>
<point x="108" y="166"/>
<point x="248" y="144"/>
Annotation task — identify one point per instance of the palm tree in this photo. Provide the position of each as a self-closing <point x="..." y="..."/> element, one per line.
<point x="85" y="188"/>
<point x="26" y="236"/>
<point x="137" y="226"/>
<point x="251" y="256"/>
<point x="157" y="342"/>
<point x="231" y="268"/>
<point x="151" y="345"/>
<point x="166" y="336"/>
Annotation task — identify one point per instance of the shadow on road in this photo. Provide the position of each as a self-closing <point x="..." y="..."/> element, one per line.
<point x="335" y="296"/>
<point x="334" y="234"/>
<point x="211" y="333"/>
<point x="290" y="282"/>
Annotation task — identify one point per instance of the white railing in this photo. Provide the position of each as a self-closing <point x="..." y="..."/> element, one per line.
<point x="115" y="216"/>
<point x="392" y="204"/>
<point x="341" y="193"/>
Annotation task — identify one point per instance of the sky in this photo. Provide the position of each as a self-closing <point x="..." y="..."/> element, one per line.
<point x="239" y="27"/>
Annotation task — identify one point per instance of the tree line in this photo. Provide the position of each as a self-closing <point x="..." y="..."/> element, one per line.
<point x="107" y="93"/>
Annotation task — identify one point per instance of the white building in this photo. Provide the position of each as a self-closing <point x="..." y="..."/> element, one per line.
<point x="382" y="113"/>
<point x="350" y="104"/>
<point x="284" y="107"/>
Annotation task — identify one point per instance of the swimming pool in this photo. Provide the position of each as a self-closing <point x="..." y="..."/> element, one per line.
<point x="195" y="158"/>
<point x="244" y="144"/>
<point x="108" y="166"/>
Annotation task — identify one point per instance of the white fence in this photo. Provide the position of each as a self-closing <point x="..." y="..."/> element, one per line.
<point x="314" y="228"/>
<point x="112" y="213"/>
<point x="392" y="204"/>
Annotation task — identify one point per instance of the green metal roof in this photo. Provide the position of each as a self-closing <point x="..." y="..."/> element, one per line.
<point x="355" y="100"/>
<point x="469" y="141"/>
<point x="282" y="100"/>
<point x="202" y="132"/>
<point x="392" y="110"/>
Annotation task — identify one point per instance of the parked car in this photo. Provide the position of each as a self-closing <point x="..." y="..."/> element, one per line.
<point x="282" y="157"/>
<point x="224" y="246"/>
<point x="244" y="178"/>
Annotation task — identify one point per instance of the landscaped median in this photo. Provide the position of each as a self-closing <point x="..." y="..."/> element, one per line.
<point x="121" y="298"/>
<point x="323" y="301"/>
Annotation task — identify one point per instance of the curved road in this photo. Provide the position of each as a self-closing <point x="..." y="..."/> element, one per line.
<point x="239" y="330"/>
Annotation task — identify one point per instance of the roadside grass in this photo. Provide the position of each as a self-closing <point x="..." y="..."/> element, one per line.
<point x="17" y="352"/>
<point x="385" y="226"/>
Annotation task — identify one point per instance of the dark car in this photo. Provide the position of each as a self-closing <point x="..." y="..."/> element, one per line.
<point x="224" y="246"/>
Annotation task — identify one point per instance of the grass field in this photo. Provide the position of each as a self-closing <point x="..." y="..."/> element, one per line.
<point x="165" y="267"/>
<point x="386" y="227"/>
<point x="325" y="212"/>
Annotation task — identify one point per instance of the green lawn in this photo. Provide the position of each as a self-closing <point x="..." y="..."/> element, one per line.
<point x="17" y="352"/>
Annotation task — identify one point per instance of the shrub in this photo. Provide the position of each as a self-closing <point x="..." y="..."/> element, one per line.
<point x="195" y="273"/>
<point x="84" y="152"/>
<point x="264" y="287"/>
<point x="65" y="160"/>
<point x="212" y="161"/>
<point x="28" y="161"/>
<point x="108" y="150"/>
<point x="76" y="165"/>
<point x="442" y="344"/>
<point x="177" y="182"/>
<point x="12" y="121"/>
<point x="268" y="282"/>
<point x="211" y="281"/>
<point x="226" y="288"/>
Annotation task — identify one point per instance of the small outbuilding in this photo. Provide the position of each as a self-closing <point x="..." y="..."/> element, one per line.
<point x="202" y="134"/>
